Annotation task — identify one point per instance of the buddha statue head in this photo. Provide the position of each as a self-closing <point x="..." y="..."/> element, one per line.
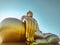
<point x="30" y="14"/>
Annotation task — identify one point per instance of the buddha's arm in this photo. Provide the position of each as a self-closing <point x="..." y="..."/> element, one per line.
<point x="39" y="35"/>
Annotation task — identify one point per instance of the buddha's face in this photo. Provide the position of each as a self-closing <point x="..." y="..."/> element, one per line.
<point x="29" y="14"/>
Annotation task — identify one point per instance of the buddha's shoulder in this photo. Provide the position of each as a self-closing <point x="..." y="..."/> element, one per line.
<point x="11" y="20"/>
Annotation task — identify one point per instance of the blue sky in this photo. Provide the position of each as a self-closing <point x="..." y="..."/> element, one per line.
<point x="46" y="12"/>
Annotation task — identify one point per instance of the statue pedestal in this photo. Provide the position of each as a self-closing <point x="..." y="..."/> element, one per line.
<point x="24" y="44"/>
<point x="13" y="44"/>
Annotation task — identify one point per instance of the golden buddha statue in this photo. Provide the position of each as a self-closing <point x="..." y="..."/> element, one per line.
<point x="26" y="29"/>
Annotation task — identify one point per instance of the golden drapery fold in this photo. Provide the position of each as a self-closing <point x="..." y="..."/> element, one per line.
<point x="31" y="27"/>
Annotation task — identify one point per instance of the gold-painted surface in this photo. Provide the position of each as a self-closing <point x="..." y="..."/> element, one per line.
<point x="30" y="29"/>
<point x="15" y="31"/>
<point x="12" y="31"/>
<point x="24" y="44"/>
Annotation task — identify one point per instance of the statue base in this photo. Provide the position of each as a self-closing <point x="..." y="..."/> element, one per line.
<point x="25" y="44"/>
